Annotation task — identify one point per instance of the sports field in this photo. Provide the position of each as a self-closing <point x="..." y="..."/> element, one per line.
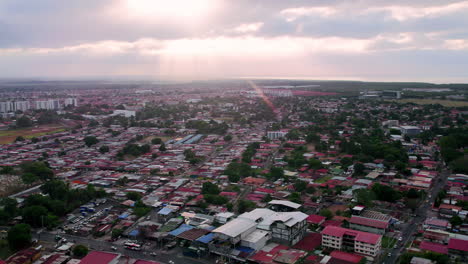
<point x="9" y="136"/>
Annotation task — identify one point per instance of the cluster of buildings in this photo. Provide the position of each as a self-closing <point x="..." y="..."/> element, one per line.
<point x="49" y="104"/>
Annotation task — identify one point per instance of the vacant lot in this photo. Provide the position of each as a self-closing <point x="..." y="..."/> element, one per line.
<point x="9" y="136"/>
<point x="448" y="103"/>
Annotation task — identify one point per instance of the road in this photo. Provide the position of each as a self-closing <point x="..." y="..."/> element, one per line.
<point x="410" y="231"/>
<point x="163" y="256"/>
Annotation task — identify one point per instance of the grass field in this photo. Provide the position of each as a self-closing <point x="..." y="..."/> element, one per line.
<point x="388" y="242"/>
<point x="9" y="136"/>
<point x="448" y="103"/>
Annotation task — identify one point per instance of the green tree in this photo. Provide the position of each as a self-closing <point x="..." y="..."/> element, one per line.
<point x="116" y="232"/>
<point x="227" y="137"/>
<point x="90" y="140"/>
<point x="19" y="236"/>
<point x="162" y="147"/>
<point x="20" y="139"/>
<point x="300" y="186"/>
<point x="359" y="169"/>
<point x="244" y="206"/>
<point x="35" y="215"/>
<point x="156" y="141"/>
<point x="80" y="251"/>
<point x="24" y="121"/>
<point x="104" y="149"/>
<point x="210" y="188"/>
<point x="134" y="196"/>
<point x="326" y="213"/>
<point x="456" y="221"/>
<point x="315" y="164"/>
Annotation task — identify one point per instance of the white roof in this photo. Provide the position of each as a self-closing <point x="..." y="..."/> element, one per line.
<point x="285" y="203"/>
<point x="266" y="217"/>
<point x="256" y="236"/>
<point x="235" y="227"/>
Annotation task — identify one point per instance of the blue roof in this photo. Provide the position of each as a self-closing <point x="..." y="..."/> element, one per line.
<point x="123" y="216"/>
<point x="134" y="232"/>
<point x="181" y="229"/>
<point x="245" y="249"/>
<point x="165" y="211"/>
<point x="206" y="238"/>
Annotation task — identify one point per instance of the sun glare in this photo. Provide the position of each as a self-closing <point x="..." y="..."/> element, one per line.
<point x="190" y="10"/>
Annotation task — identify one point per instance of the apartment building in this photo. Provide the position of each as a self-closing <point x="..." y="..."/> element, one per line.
<point x="363" y="243"/>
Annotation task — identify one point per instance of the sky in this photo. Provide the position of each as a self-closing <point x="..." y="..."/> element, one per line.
<point x="376" y="40"/>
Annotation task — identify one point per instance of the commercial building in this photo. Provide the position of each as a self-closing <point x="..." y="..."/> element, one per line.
<point x="257" y="227"/>
<point x="368" y="224"/>
<point x="276" y="134"/>
<point x="363" y="243"/>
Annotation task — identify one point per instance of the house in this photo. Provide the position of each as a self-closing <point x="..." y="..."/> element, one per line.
<point x="458" y="248"/>
<point x="360" y="242"/>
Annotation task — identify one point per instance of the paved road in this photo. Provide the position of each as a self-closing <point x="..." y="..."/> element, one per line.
<point x="162" y="256"/>
<point x="410" y="231"/>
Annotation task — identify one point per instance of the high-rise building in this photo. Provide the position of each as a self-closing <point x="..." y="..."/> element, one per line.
<point x="71" y="102"/>
<point x="5" y="107"/>
<point x="21" y="105"/>
<point x="48" y="105"/>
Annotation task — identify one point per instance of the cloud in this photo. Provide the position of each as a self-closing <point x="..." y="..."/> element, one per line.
<point x="230" y="38"/>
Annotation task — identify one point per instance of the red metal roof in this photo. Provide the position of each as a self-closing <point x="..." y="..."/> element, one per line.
<point x="458" y="244"/>
<point x="349" y="257"/>
<point x="368" y="222"/>
<point x="315" y="219"/>
<point x="359" y="236"/>
<point x="434" y="247"/>
<point x="98" y="257"/>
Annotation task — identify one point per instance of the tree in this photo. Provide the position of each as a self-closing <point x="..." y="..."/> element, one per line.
<point x="24" y="121"/>
<point x="456" y="221"/>
<point x="90" y="140"/>
<point x="244" y="206"/>
<point x="35" y="215"/>
<point x="80" y="251"/>
<point x="38" y="169"/>
<point x="346" y="162"/>
<point x="210" y="188"/>
<point x="412" y="194"/>
<point x="327" y="213"/>
<point x="134" y="196"/>
<point x="20" y="139"/>
<point x="275" y="173"/>
<point x="295" y="197"/>
<point x="315" y="164"/>
<point x="162" y="147"/>
<point x="300" y="186"/>
<point x="359" y="169"/>
<point x="156" y="141"/>
<point x="227" y="137"/>
<point x="19" y="236"/>
<point x="104" y="149"/>
<point x="116" y="232"/>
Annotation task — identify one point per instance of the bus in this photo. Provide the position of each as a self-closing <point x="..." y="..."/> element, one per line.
<point x="132" y="246"/>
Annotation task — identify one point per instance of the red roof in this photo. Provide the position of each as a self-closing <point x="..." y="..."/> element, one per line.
<point x="315" y="219"/>
<point x="358" y="235"/>
<point x="310" y="242"/>
<point x="368" y="222"/>
<point x="458" y="244"/>
<point x="434" y="247"/>
<point x="98" y="257"/>
<point x="349" y="257"/>
<point x="145" y="262"/>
